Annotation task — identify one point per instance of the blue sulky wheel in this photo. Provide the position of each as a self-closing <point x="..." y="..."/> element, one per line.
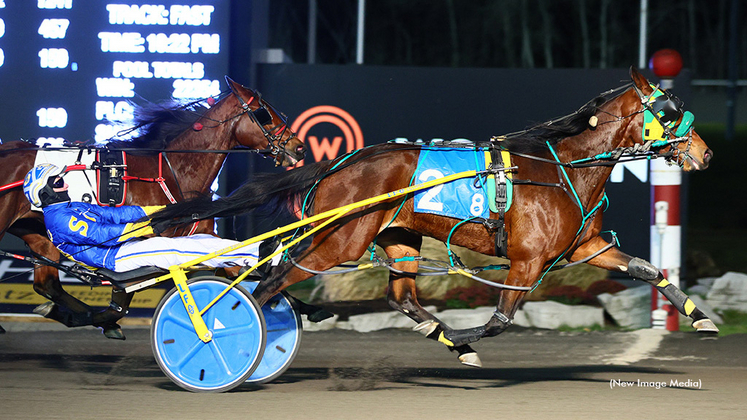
<point x="284" y="328"/>
<point x="235" y="350"/>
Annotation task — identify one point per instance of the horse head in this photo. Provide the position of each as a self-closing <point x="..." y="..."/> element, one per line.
<point x="260" y="116"/>
<point x="669" y="126"/>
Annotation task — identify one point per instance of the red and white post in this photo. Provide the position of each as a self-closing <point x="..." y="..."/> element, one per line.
<point x="666" y="237"/>
<point x="666" y="233"/>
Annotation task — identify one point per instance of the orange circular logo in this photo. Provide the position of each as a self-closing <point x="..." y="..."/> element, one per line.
<point x="322" y="146"/>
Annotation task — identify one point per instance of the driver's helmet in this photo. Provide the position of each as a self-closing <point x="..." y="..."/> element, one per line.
<point x="36" y="184"/>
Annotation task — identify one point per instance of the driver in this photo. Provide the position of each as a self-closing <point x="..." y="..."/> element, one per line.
<point x="114" y="237"/>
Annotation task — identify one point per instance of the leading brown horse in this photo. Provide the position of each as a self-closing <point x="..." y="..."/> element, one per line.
<point x="239" y="119"/>
<point x="560" y="175"/>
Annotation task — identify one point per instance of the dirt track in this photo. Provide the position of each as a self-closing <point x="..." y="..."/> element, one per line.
<point x="527" y="374"/>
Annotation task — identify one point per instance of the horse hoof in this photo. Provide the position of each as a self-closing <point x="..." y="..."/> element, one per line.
<point x="470" y="359"/>
<point x="705" y="325"/>
<point x="114" y="332"/>
<point x="44" y="309"/>
<point x="319" y="315"/>
<point x="426" y="327"/>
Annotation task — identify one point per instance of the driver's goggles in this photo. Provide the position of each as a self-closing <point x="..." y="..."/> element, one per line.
<point x="57" y="182"/>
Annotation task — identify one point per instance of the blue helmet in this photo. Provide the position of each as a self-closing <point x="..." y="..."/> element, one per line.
<point x="35" y="185"/>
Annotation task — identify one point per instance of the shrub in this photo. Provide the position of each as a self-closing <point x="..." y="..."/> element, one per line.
<point x="471" y="297"/>
<point x="570" y="295"/>
<point x="604" y="286"/>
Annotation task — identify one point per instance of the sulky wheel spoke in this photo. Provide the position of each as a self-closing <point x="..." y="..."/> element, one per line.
<point x="218" y="354"/>
<point x="229" y="331"/>
<point x="183" y="323"/>
<point x="193" y="350"/>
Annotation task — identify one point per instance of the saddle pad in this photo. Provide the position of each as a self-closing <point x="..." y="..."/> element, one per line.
<point x="82" y="183"/>
<point x="460" y="199"/>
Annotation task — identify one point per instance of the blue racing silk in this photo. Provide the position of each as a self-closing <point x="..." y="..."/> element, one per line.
<point x="92" y="234"/>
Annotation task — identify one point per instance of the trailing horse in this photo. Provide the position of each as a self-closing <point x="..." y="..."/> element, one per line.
<point x="191" y="141"/>
<point x="559" y="170"/>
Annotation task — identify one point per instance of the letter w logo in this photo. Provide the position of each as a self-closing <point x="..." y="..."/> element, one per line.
<point x="324" y="148"/>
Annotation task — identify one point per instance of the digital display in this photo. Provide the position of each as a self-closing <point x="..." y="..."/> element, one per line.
<point x="71" y="69"/>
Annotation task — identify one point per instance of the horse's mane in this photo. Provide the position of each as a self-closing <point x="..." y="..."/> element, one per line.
<point x="267" y="192"/>
<point x="534" y="139"/>
<point x="158" y="124"/>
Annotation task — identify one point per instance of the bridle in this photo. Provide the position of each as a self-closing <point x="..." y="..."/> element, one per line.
<point x="666" y="109"/>
<point x="263" y="117"/>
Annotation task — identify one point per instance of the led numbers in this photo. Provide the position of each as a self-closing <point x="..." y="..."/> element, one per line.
<point x="154" y="50"/>
<point x="54" y="4"/>
<point x="53" y="28"/>
<point x="183" y="43"/>
<point x="2" y="32"/>
<point x="174" y="43"/>
<point x="53" y="58"/>
<point x="191" y="89"/>
<point x="52" y="117"/>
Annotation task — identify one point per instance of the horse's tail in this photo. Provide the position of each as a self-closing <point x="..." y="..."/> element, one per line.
<point x="267" y="191"/>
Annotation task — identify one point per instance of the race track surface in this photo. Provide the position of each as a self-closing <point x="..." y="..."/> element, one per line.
<point x="58" y="373"/>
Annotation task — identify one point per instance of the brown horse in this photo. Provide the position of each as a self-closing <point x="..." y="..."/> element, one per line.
<point x="240" y="119"/>
<point x="553" y="214"/>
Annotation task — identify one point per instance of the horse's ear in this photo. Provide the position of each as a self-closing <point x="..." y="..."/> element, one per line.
<point x="233" y="85"/>
<point x="640" y="81"/>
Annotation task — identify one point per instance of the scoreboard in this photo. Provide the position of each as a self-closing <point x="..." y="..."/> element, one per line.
<point x="73" y="69"/>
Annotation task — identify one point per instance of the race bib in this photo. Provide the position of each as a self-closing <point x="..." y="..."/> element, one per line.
<point x="460" y="199"/>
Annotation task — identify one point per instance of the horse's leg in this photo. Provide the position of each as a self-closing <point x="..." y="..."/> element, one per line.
<point x="402" y="294"/>
<point x="63" y="307"/>
<point x="334" y="245"/>
<point x="616" y="260"/>
<point x="281" y="277"/>
<point x="107" y="319"/>
<point x="522" y="273"/>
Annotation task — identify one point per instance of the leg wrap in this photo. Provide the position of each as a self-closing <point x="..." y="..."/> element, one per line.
<point x="496" y="325"/>
<point x="679" y="299"/>
<point x="642" y="269"/>
<point x="456" y="338"/>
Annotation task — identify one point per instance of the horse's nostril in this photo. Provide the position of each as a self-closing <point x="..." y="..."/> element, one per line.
<point x="708" y="155"/>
